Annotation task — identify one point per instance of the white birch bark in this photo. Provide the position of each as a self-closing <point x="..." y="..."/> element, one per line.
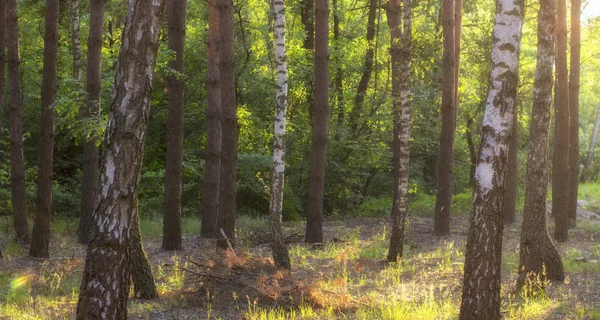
<point x="481" y="288"/>
<point x="280" y="253"/>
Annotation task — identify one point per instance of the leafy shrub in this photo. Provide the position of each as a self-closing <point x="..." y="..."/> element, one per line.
<point x="375" y="207"/>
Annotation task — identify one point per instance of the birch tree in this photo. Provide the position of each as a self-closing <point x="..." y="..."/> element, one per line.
<point x="399" y="15"/>
<point x="105" y="283"/>
<point x="280" y="252"/>
<point x="537" y="249"/>
<point x="481" y="286"/>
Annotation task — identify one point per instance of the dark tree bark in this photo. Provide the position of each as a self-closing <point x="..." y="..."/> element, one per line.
<point x="105" y="283"/>
<point x="537" y="250"/>
<point x="560" y="161"/>
<point x="139" y="265"/>
<point x="17" y="166"/>
<point x="483" y="258"/>
<point x="307" y="16"/>
<point x="211" y="196"/>
<point x="446" y="163"/>
<point x="41" y="228"/>
<point x="229" y="122"/>
<point x="281" y="256"/>
<point x="585" y="174"/>
<point x="400" y="49"/>
<point x="574" y="111"/>
<point x="363" y="84"/>
<point x="2" y="58"/>
<point x="176" y="17"/>
<point x="316" y="186"/>
<point x="89" y="110"/>
<point x="339" y="72"/>
<point x="510" y="196"/>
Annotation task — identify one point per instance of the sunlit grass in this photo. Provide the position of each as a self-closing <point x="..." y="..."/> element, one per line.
<point x="589" y="192"/>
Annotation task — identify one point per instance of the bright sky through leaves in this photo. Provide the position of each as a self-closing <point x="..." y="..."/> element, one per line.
<point x="591" y="9"/>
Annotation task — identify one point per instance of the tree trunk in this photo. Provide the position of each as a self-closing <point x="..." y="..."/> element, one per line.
<point x="510" y="196"/>
<point x="41" y="228"/>
<point x="229" y="122"/>
<point x="212" y="166"/>
<point x="280" y="252"/>
<point x="176" y="17"/>
<point x="363" y="84"/>
<point x="105" y="283"/>
<point x="139" y="265"/>
<point x="400" y="49"/>
<point x="316" y="186"/>
<point x="446" y="163"/>
<point x="2" y="58"/>
<point x="307" y="17"/>
<point x="339" y="73"/>
<point x="560" y="163"/>
<point x="91" y="154"/>
<point x="15" y="105"/>
<point x="483" y="258"/>
<point x="585" y="174"/>
<point x="76" y="45"/>
<point x="537" y="250"/>
<point x="574" y="111"/>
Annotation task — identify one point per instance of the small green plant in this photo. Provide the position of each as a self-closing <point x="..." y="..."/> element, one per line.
<point x="535" y="285"/>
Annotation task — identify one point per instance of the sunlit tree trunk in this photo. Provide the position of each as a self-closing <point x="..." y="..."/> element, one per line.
<point x="560" y="161"/>
<point x="89" y="110"/>
<point x="229" y="122"/>
<point x="585" y="174"/>
<point x="176" y="19"/>
<point x="316" y="186"/>
<point x="212" y="191"/>
<point x="574" y="110"/>
<point x="537" y="251"/>
<point x="448" y="110"/>
<point x="280" y="252"/>
<point x="339" y="72"/>
<point x="105" y="283"/>
<point x="41" y="228"/>
<point x="400" y="49"/>
<point x="481" y="286"/>
<point x="15" y="104"/>
<point x="363" y="83"/>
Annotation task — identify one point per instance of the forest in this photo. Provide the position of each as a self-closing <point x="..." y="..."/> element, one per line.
<point x="302" y="159"/>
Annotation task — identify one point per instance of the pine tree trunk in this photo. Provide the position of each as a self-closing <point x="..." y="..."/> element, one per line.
<point x="574" y="110"/>
<point x="363" y="84"/>
<point x="2" y="58"/>
<point x="15" y="105"/>
<point x="400" y="48"/>
<point x="446" y="163"/>
<point x="105" y="283"/>
<point x="210" y="204"/>
<point x="91" y="153"/>
<point x="339" y="73"/>
<point x="229" y="122"/>
<point x="280" y="252"/>
<point x="41" y="228"/>
<point x="560" y="163"/>
<point x="176" y="17"/>
<point x="537" y="251"/>
<point x="307" y="17"/>
<point x="481" y="287"/>
<point x="316" y="186"/>
<point x="510" y="196"/>
<point x="139" y="265"/>
<point x="585" y="174"/>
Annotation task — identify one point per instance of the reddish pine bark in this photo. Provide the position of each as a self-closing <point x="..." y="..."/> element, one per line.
<point x="575" y="61"/>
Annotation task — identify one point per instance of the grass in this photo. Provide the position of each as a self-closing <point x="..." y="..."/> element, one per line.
<point x="345" y="279"/>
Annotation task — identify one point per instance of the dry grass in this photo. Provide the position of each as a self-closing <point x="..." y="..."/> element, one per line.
<point x="346" y="278"/>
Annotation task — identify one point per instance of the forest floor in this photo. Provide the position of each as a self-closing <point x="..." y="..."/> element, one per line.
<point x="346" y="278"/>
